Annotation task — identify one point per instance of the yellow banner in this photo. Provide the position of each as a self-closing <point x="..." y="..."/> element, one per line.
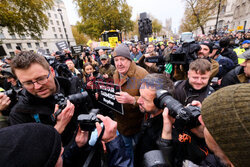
<point x="104" y="44"/>
<point x="150" y="39"/>
<point x="240" y="27"/>
<point x="113" y="41"/>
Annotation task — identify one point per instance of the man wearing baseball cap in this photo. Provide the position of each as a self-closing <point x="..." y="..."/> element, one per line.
<point x="240" y="74"/>
<point x="245" y="45"/>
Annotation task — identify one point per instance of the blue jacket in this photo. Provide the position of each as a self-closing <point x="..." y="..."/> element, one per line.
<point x="116" y="157"/>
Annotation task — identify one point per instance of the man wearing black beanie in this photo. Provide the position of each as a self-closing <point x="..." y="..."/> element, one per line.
<point x="30" y="145"/>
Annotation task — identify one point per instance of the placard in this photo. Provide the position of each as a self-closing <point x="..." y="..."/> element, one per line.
<point x="77" y="49"/>
<point x="107" y="95"/>
<point x="62" y="45"/>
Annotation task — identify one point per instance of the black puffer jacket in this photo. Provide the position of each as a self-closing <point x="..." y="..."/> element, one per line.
<point x="235" y="76"/>
<point x="230" y="54"/>
<point x="29" y="107"/>
<point x="185" y="93"/>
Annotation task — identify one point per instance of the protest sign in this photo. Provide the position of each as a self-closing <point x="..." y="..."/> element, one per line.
<point x="107" y="95"/>
<point x="62" y="45"/>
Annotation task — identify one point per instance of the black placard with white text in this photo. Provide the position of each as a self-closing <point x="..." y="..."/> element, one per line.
<point x="62" y="45"/>
<point x="107" y="95"/>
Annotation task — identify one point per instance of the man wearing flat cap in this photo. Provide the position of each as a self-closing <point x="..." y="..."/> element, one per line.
<point x="240" y="74"/>
<point x="128" y="75"/>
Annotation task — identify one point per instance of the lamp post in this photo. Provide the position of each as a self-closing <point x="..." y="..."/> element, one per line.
<point x="60" y="12"/>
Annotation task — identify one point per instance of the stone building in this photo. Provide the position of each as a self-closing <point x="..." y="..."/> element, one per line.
<point x="56" y="32"/>
<point x="234" y="16"/>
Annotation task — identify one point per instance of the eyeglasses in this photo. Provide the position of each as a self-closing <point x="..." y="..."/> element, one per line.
<point x="41" y="81"/>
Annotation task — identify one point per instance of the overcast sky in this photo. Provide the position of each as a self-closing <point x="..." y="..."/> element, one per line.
<point x="160" y="9"/>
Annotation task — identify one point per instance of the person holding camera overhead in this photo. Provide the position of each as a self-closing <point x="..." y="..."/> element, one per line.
<point x="36" y="101"/>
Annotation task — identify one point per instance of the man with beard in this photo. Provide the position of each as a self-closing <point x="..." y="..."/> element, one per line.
<point x="204" y="52"/>
<point x="153" y="122"/>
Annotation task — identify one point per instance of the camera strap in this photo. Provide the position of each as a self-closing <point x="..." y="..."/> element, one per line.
<point x="88" y="160"/>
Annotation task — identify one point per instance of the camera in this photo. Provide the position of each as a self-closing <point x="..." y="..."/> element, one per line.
<point x="60" y="68"/>
<point x="187" y="116"/>
<point x="12" y="93"/>
<point x="185" y="54"/>
<point x="87" y="121"/>
<point x="62" y="101"/>
<point x="159" y="60"/>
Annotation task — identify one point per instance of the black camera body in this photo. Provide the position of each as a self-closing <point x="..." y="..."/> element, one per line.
<point x="12" y="93"/>
<point x="185" y="54"/>
<point x="187" y="116"/>
<point x="62" y="101"/>
<point x="159" y="60"/>
<point x="87" y="121"/>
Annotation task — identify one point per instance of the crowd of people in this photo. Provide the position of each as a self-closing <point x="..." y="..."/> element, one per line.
<point x="184" y="105"/>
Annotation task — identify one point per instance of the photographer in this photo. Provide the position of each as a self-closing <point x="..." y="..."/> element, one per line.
<point x="36" y="101"/>
<point x="152" y="125"/>
<point x="8" y="98"/>
<point x="150" y="67"/>
<point x="79" y="152"/>
<point x="190" y="52"/>
<point x="40" y="145"/>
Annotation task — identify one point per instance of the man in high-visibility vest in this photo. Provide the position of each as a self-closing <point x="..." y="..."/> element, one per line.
<point x="241" y="49"/>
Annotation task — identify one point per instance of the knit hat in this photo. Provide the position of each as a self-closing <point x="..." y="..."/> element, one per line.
<point x="103" y="57"/>
<point x="208" y="44"/>
<point x="29" y="145"/>
<point x="226" y="114"/>
<point x="245" y="55"/>
<point x="122" y="50"/>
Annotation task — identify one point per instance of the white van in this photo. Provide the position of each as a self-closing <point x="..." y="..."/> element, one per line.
<point x="186" y="37"/>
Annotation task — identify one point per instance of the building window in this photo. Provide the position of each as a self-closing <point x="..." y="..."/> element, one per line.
<point x="223" y="9"/>
<point x="37" y="44"/>
<point x="56" y="16"/>
<point x="51" y="22"/>
<point x="2" y="35"/>
<point x="53" y="28"/>
<point x="29" y="45"/>
<point x="57" y="22"/>
<point x="55" y="35"/>
<point x="59" y="29"/>
<point x="49" y="14"/>
<point x="23" y="37"/>
<point x="45" y="44"/>
<point x="13" y="36"/>
<point x="47" y="51"/>
<point x="61" y="35"/>
<point x="53" y="8"/>
<point x="20" y="45"/>
<point x="12" y="54"/>
<point x="8" y="45"/>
